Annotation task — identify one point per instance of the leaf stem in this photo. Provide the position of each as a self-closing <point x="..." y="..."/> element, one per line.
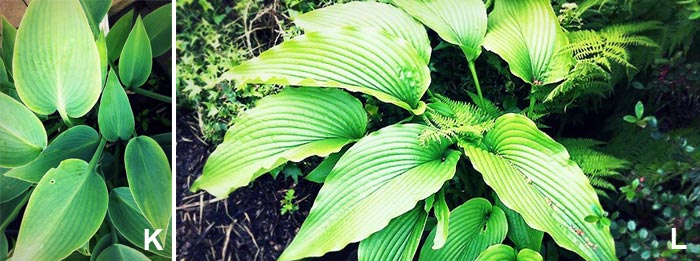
<point x="532" y="100"/>
<point x="16" y="210"/>
<point x="472" y="68"/>
<point x="151" y="94"/>
<point x="97" y="155"/>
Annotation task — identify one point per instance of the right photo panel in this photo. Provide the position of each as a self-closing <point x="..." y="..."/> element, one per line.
<point x="437" y="130"/>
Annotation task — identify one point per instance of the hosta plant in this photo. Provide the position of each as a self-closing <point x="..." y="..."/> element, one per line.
<point x="380" y="187"/>
<point x="77" y="179"/>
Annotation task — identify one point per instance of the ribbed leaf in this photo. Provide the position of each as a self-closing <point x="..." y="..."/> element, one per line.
<point x="64" y="212"/>
<point x="321" y="171"/>
<point x="290" y="126"/>
<point x="9" y="33"/>
<point x="78" y="142"/>
<point x="553" y="195"/>
<point x="115" y="118"/>
<point x="397" y="241"/>
<point x="474" y="226"/>
<point x="459" y="22"/>
<point x="10" y="187"/>
<point x="118" y="34"/>
<point x="130" y="222"/>
<point x="529" y="255"/>
<point x="376" y="180"/>
<point x="373" y="15"/>
<point x="56" y="64"/>
<point x="159" y="28"/>
<point x="135" y="61"/>
<point x="357" y="59"/>
<point x="22" y="135"/>
<point x="95" y="10"/>
<point x="527" y="35"/>
<point x="506" y="253"/>
<point x="522" y="235"/>
<point x="442" y="214"/>
<point x="121" y="252"/>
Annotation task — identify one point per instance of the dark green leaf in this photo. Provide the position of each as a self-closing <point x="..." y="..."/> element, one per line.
<point x="159" y="28"/>
<point x="522" y="235"/>
<point x="135" y="61"/>
<point x="130" y="222"/>
<point x="121" y="252"/>
<point x="10" y="187"/>
<point x="321" y="171"/>
<point x="118" y="34"/>
<point x="115" y="117"/>
<point x="9" y="33"/>
<point x="95" y="10"/>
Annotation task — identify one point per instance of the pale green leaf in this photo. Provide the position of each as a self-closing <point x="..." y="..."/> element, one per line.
<point x="529" y="255"/>
<point x="321" y="171"/>
<point x="130" y="222"/>
<point x="115" y="118"/>
<point x="553" y="196"/>
<point x="11" y="188"/>
<point x="290" y="126"/>
<point x="117" y="35"/>
<point x="357" y="59"/>
<point x="135" y="61"/>
<point x="442" y="214"/>
<point x="22" y="135"/>
<point x="506" y="253"/>
<point x="474" y="226"/>
<point x="95" y="10"/>
<point x="56" y="63"/>
<point x="101" y="43"/>
<point x="159" y="28"/>
<point x="397" y="241"/>
<point x="9" y="33"/>
<point x="373" y="15"/>
<point x="527" y="35"/>
<point x="379" y="178"/>
<point x="69" y="204"/>
<point x="121" y="252"/>
<point x="78" y="142"/>
<point x="522" y="235"/>
<point x="459" y="22"/>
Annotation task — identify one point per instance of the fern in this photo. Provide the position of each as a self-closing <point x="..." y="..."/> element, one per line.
<point x="456" y="119"/>
<point x="598" y="166"/>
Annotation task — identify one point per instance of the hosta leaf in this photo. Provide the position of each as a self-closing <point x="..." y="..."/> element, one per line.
<point x="522" y="235"/>
<point x="64" y="212"/>
<point x="553" y="196"/>
<point x="370" y="14"/>
<point x="121" y="252"/>
<point x="78" y="142"/>
<point x="376" y="180"/>
<point x="4" y="77"/>
<point x="159" y="28"/>
<point x="101" y="43"/>
<point x="442" y="214"/>
<point x="130" y="222"/>
<point x="11" y="209"/>
<point x="344" y="58"/>
<point x="56" y="64"/>
<point x="397" y="241"/>
<point x="95" y="10"/>
<point x="474" y="226"/>
<point x="148" y="173"/>
<point x="9" y="32"/>
<point x="10" y="187"/>
<point x="22" y="135"/>
<point x="117" y="35"/>
<point x="104" y="242"/>
<point x="135" y="61"/>
<point x="459" y="22"/>
<point x="527" y="35"/>
<point x="290" y="126"/>
<point x="321" y="171"/>
<point x="115" y="118"/>
<point x="506" y="253"/>
<point x="164" y="140"/>
<point x="4" y="246"/>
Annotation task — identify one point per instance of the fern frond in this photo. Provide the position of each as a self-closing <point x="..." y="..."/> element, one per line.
<point x="597" y="166"/>
<point x="451" y="119"/>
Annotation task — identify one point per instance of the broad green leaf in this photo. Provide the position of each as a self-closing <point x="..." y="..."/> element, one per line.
<point x="121" y="252"/>
<point x="290" y="126"/>
<point x="553" y="196"/>
<point x="4" y="246"/>
<point x="379" y="178"/>
<point x="344" y="58"/>
<point x="130" y="222"/>
<point x="527" y="35"/>
<point x="101" y="43"/>
<point x="64" y="212"/>
<point x="442" y="214"/>
<point x="506" y="253"/>
<point x="56" y="64"/>
<point x="522" y="235"/>
<point x="373" y="15"/>
<point x="117" y="35"/>
<point x="115" y="118"/>
<point x="165" y="142"/>
<point x="158" y="25"/>
<point x="459" y="22"/>
<point x="11" y="209"/>
<point x="474" y="226"/>
<point x="135" y="61"/>
<point x="104" y="242"/>
<point x="321" y="171"/>
<point x="11" y="188"/>
<point x="22" y="135"/>
<point x="397" y="241"/>
<point x="78" y="142"/>
<point x="95" y="10"/>
<point x="9" y="33"/>
<point x="148" y="173"/>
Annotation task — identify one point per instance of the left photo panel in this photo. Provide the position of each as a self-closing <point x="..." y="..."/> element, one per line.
<point x="85" y="130"/>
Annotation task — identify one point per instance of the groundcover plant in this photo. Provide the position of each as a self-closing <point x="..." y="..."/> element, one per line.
<point x="380" y="188"/>
<point x="78" y="177"/>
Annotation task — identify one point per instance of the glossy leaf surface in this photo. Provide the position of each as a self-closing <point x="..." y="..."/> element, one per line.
<point x="397" y="241"/>
<point x="159" y="28"/>
<point x="135" y="61"/>
<point x="115" y="118"/>
<point x="130" y="222"/>
<point x="22" y="135"/>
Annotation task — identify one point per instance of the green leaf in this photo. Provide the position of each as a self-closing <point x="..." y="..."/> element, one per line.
<point x="630" y="119"/>
<point x="95" y="10"/>
<point x="165" y="142"/>
<point x="506" y="253"/>
<point x="370" y="15"/>
<point x="9" y="34"/>
<point x="4" y="246"/>
<point x="522" y="235"/>
<point x="135" y="61"/>
<point x="344" y="58"/>
<point x="639" y="109"/>
<point x="11" y="187"/>
<point x="121" y="252"/>
<point x="78" y="142"/>
<point x="459" y="22"/>
<point x="117" y="35"/>
<point x="553" y="196"/>
<point x="130" y="222"/>
<point x="22" y="135"/>
<point x="290" y="126"/>
<point x="64" y="212"/>
<point x="397" y="241"/>
<point x="148" y="173"/>
<point x="442" y="214"/>
<point x="159" y="28"/>
<point x="101" y="43"/>
<point x="56" y="64"/>
<point x="104" y="242"/>
<point x="11" y="209"/>
<point x="529" y="255"/>
<point x="527" y="35"/>
<point x="474" y="226"/>
<point x="115" y="118"/>
<point x="379" y="178"/>
<point x="321" y="171"/>
<point x="4" y="77"/>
